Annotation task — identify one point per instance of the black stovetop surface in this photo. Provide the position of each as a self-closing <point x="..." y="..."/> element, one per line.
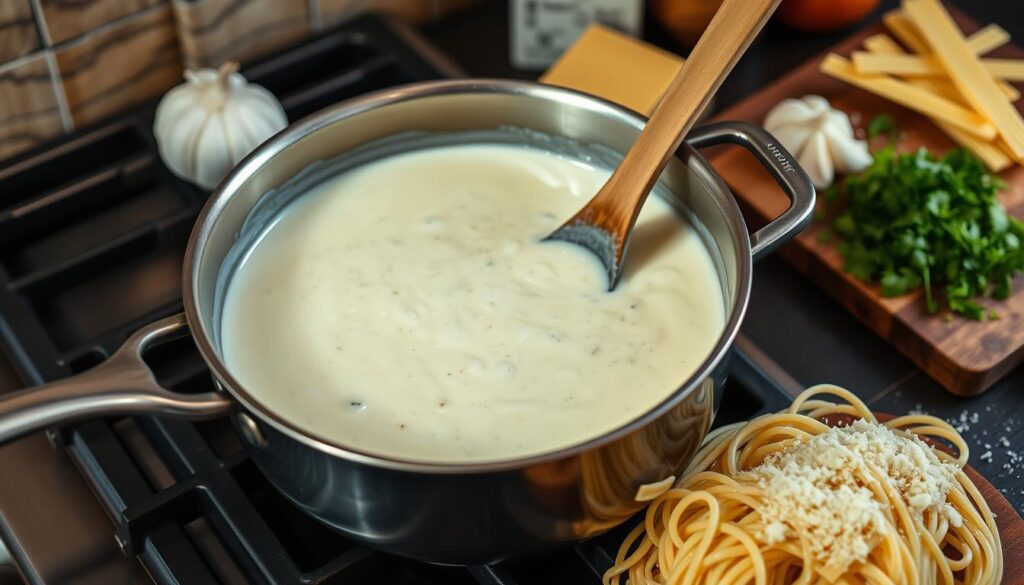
<point x="101" y="256"/>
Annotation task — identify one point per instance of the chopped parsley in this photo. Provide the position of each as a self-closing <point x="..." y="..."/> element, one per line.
<point x="882" y="124"/>
<point x="916" y="220"/>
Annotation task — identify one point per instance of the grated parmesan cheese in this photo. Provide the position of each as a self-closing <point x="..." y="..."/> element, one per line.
<point x="819" y="489"/>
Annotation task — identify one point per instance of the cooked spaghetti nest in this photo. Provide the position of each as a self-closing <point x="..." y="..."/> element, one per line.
<point x="789" y="498"/>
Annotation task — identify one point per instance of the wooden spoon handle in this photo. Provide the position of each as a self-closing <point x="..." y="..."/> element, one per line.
<point x="731" y="31"/>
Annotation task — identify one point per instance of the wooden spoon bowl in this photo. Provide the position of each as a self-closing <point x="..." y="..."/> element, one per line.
<point x="605" y="223"/>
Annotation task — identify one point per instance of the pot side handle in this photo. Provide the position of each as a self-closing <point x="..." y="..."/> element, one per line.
<point x="121" y="385"/>
<point x="784" y="169"/>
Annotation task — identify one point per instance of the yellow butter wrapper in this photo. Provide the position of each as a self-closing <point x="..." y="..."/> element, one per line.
<point x="616" y="67"/>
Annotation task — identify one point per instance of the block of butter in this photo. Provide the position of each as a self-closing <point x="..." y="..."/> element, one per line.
<point x="616" y="67"/>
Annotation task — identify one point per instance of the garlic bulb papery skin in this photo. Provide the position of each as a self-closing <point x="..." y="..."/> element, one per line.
<point x="819" y="136"/>
<point x="206" y="125"/>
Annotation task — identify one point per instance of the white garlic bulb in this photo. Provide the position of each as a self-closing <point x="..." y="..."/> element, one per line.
<point x="206" y="125"/>
<point x="819" y="136"/>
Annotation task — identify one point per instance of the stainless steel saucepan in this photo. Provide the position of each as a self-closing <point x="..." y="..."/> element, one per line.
<point x="445" y="513"/>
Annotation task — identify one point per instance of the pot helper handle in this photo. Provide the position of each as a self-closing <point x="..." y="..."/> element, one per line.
<point x="121" y="385"/>
<point x="784" y="169"/>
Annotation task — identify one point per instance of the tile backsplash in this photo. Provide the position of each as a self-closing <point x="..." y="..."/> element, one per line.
<point x="65" y="64"/>
<point x="120" y="65"/>
<point x="29" y="106"/>
<point x="63" y="20"/>
<point x="212" y="31"/>
<point x="18" y="34"/>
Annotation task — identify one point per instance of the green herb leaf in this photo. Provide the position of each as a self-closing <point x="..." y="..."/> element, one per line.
<point x="882" y="124"/>
<point x="830" y="193"/>
<point x="896" y="284"/>
<point x="919" y="221"/>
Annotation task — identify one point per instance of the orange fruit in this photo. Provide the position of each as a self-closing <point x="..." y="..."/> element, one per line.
<point x="823" y="15"/>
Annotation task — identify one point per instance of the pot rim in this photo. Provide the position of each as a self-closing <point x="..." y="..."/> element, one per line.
<point x="207" y="220"/>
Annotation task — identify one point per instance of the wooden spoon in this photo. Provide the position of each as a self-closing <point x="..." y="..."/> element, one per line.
<point x="605" y="223"/>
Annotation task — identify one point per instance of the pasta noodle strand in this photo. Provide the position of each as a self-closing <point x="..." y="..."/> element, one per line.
<point x="709" y="528"/>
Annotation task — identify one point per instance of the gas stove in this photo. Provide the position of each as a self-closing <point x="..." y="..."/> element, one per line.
<point x="92" y="234"/>
<point x="93" y="238"/>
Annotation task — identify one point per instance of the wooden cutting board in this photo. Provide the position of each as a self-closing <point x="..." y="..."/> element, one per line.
<point x="965" y="356"/>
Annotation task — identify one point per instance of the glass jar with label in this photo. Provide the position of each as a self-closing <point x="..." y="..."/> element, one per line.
<point x="541" y="30"/>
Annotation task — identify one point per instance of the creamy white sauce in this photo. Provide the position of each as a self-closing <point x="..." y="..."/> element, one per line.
<point x="408" y="309"/>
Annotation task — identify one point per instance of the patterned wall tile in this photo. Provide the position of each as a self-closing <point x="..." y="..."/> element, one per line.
<point x="67" y="19"/>
<point x="29" y="110"/>
<point x="415" y="11"/>
<point x="18" y="34"/>
<point x="214" y="31"/>
<point x="117" y="67"/>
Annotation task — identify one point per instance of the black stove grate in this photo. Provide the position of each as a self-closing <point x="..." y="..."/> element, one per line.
<point x="92" y="235"/>
<point x="195" y="508"/>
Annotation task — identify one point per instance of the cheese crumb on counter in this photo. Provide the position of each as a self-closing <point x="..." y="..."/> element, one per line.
<point x="821" y="489"/>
